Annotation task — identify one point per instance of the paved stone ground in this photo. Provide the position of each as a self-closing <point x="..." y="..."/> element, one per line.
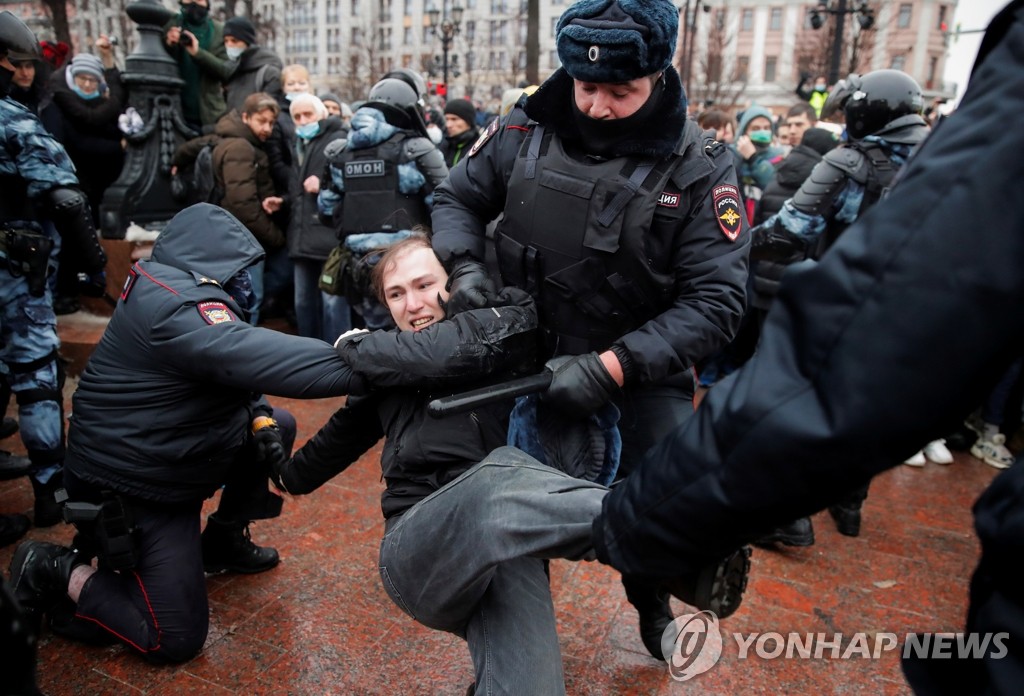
<point x="321" y="624"/>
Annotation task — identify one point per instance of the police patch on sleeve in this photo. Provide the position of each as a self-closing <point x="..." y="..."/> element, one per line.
<point x="728" y="210"/>
<point x="215" y="313"/>
<point x="485" y="136"/>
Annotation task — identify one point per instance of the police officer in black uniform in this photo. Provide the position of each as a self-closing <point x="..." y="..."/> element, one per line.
<point x="168" y="410"/>
<point x="380" y="181"/>
<point x="884" y="125"/>
<point x="623" y="220"/>
<point x="41" y="209"/>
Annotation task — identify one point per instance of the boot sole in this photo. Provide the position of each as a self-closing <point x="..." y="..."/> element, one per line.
<point x="721" y="587"/>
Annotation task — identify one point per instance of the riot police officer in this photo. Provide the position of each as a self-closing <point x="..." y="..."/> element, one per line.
<point x="40" y="190"/>
<point x="883" y="126"/>
<point x="621" y="217"/>
<point x="381" y="181"/>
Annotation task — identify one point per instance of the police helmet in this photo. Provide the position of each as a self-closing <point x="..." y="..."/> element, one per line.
<point x="875" y="100"/>
<point x="398" y="102"/>
<point x="16" y="37"/>
<point x="411" y="78"/>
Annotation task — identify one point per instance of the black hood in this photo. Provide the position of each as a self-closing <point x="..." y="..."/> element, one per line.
<point x="552" y="106"/>
<point x="209" y="241"/>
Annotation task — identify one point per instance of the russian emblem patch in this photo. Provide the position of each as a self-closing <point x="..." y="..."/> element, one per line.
<point x="215" y="313"/>
<point x="484" y="137"/>
<point x="728" y="210"/>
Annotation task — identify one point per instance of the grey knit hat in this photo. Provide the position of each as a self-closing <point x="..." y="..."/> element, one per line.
<point x="617" y="40"/>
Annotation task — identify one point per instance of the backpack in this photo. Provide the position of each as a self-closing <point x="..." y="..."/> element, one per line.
<point x="204" y="186"/>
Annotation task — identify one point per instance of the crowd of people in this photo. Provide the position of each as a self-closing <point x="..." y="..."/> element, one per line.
<point x="680" y="276"/>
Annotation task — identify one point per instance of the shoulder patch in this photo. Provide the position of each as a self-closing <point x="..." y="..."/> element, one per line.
<point x="215" y="313"/>
<point x="728" y="210"/>
<point x="129" y="283"/>
<point x="489" y="132"/>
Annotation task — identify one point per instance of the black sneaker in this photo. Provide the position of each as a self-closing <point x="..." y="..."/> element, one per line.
<point x="847" y="518"/>
<point x="12" y="528"/>
<point x="799" y="532"/>
<point x="227" y="546"/>
<point x="13" y="466"/>
<point x="650" y="600"/>
<point x="717" y="587"/>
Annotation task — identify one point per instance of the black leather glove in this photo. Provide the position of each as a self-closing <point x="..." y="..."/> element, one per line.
<point x="580" y="384"/>
<point x="469" y="287"/>
<point x="270" y="449"/>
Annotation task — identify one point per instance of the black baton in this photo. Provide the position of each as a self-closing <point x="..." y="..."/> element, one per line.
<point x="467" y="401"/>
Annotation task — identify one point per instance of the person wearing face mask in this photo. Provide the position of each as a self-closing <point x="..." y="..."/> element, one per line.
<point x="756" y="155"/>
<point x="621" y="218"/>
<point x="169" y="410"/>
<point x="196" y="42"/>
<point x="317" y="313"/>
<point x="252" y="68"/>
<point x="87" y="98"/>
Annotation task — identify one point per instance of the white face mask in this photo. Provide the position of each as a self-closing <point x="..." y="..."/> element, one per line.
<point x="234" y="52"/>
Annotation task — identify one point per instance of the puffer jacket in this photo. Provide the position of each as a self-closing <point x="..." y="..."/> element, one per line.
<point x="407" y="370"/>
<point x="167" y="397"/>
<point x="242" y="170"/>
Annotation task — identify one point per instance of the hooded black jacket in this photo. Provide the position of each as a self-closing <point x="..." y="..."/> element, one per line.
<point x="167" y="396"/>
<point x="308" y="238"/>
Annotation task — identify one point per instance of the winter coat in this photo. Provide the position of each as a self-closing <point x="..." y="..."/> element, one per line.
<point x="202" y="94"/>
<point x="853" y="373"/>
<point x="455" y="148"/>
<point x="407" y="370"/>
<point x="242" y="171"/>
<point x="88" y="130"/>
<point x="166" y="398"/>
<point x="793" y="171"/>
<point x="308" y="237"/>
<point x="242" y="80"/>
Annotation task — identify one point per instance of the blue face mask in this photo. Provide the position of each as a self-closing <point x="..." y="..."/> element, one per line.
<point x="240" y="289"/>
<point x="85" y="95"/>
<point x="291" y="95"/>
<point x="308" y="131"/>
<point x="234" y="51"/>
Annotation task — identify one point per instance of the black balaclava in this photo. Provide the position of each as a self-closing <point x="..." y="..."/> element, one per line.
<point x="194" y="13"/>
<point x="600" y="136"/>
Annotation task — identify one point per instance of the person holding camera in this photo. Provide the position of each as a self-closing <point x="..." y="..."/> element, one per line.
<point x="196" y="42"/>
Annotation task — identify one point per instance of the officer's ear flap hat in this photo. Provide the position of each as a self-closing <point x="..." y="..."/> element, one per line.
<point x="617" y="40"/>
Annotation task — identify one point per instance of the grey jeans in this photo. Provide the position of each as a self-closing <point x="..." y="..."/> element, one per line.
<point x="468" y="559"/>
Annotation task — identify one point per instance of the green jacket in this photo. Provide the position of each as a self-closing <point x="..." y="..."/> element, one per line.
<point x="202" y="96"/>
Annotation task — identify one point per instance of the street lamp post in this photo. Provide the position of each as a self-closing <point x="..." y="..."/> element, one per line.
<point x="865" y="16"/>
<point x="448" y="25"/>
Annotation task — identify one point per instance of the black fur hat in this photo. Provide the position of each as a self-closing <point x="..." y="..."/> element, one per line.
<point x="617" y="40"/>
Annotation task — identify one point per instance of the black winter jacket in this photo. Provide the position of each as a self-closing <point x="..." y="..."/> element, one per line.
<point x="708" y="269"/>
<point x="853" y="373"/>
<point x="409" y="369"/>
<point x="255" y="62"/>
<point x="793" y="170"/>
<point x="308" y="238"/>
<point x="167" y="396"/>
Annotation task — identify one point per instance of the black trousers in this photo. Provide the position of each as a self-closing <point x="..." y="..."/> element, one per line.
<point x="160" y="607"/>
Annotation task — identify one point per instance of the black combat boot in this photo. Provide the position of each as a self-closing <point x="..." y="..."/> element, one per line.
<point x="8" y="427"/>
<point x="651" y="603"/>
<point x="228" y="546"/>
<point x="847" y="518"/>
<point x="716" y="587"/>
<point x="12" y="528"/>
<point x="40" y="572"/>
<point x="13" y="466"/>
<point x="799" y="532"/>
<point x="48" y="511"/>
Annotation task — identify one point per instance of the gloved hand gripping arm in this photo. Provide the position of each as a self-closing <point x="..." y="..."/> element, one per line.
<point x="469" y="286"/>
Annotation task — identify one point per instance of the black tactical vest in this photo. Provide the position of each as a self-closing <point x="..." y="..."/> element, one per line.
<point x="15" y="205"/>
<point x="373" y="202"/>
<point x="880" y="172"/>
<point x="590" y="242"/>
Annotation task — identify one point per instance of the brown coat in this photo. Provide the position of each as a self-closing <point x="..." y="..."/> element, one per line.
<point x="242" y="169"/>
